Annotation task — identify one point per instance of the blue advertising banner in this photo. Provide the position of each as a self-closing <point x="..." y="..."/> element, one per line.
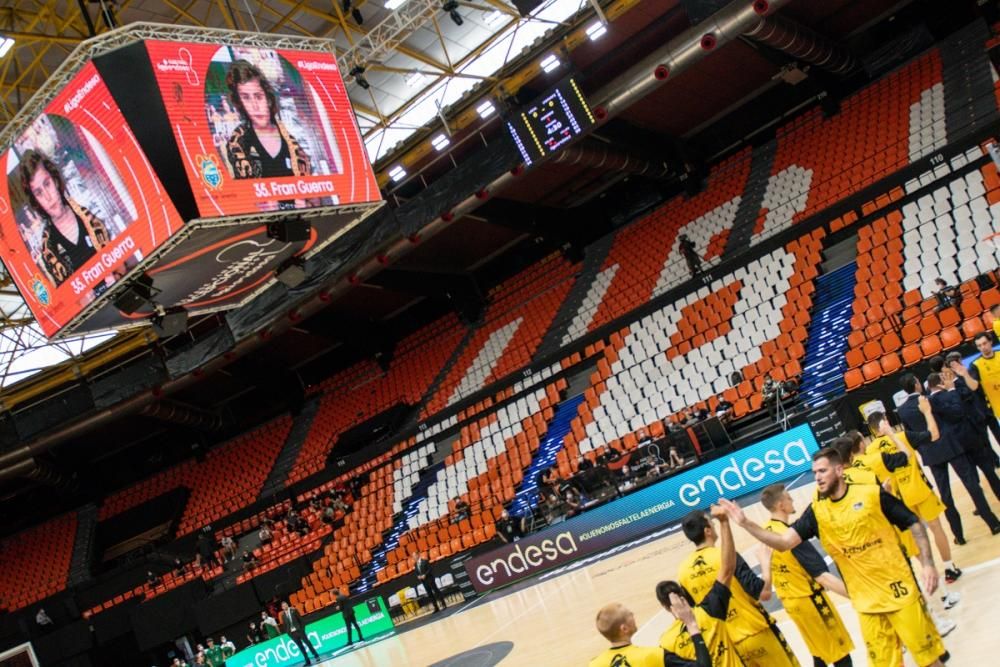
<point x="745" y="471"/>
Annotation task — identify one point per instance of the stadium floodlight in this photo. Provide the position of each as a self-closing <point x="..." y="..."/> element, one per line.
<point x="440" y="142"/>
<point x="6" y="44"/>
<point x="550" y="62"/>
<point x="486" y="109"/>
<point x="394" y="4"/>
<point x="358" y="73"/>
<point x="596" y="30"/>
<point x="397" y="173"/>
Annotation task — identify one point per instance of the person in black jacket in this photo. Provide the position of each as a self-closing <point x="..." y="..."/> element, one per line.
<point x="982" y="417"/>
<point x="296" y="629"/>
<point x="346" y="606"/>
<point x="422" y="566"/>
<point x="922" y="420"/>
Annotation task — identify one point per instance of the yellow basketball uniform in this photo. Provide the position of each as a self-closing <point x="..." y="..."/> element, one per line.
<point x="710" y="614"/>
<point x="989" y="378"/>
<point x="861" y="472"/>
<point x="634" y="656"/>
<point x="909" y="481"/>
<point x="758" y="640"/>
<point x="857" y="533"/>
<point x="805" y="600"/>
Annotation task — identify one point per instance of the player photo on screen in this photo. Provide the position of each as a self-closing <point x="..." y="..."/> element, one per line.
<point x="264" y="124"/>
<point x="68" y="200"/>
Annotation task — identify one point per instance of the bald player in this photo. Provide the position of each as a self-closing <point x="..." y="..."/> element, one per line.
<point x="617" y="624"/>
<point x="854" y="523"/>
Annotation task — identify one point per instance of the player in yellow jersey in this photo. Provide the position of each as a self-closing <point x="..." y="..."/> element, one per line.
<point x="617" y="624"/>
<point x="799" y="577"/>
<point x="758" y="640"/>
<point x="711" y="612"/>
<point x="910" y="485"/>
<point x="854" y="524"/>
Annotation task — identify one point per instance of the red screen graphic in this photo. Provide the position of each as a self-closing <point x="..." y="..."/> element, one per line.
<point x="80" y="205"/>
<point x="262" y="129"/>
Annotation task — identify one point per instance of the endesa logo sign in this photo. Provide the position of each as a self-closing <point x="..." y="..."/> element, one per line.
<point x="750" y="469"/>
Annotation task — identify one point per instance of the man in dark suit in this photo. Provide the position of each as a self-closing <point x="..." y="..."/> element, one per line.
<point x="422" y="566"/>
<point x="296" y="629"/>
<point x="940" y="449"/>
<point x="346" y="606"/>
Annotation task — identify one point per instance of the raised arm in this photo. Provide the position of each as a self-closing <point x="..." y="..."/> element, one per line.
<point x="924" y="406"/>
<point x="727" y="565"/>
<point x="783" y="542"/>
<point x="764" y="552"/>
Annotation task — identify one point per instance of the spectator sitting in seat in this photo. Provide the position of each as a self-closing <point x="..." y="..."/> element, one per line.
<point x="552" y="508"/>
<point x="265" y="533"/>
<point x="178" y="566"/>
<point x="724" y="410"/>
<point x="674" y="459"/>
<point x="609" y="455"/>
<point x="152" y="579"/>
<point x="43" y="620"/>
<point x="947" y="296"/>
<point x="508" y="528"/>
<point x="228" y="548"/>
<point x="461" y="511"/>
<point x="690" y="254"/>
<point x="329" y="514"/>
<point x="574" y="501"/>
<point x="249" y="560"/>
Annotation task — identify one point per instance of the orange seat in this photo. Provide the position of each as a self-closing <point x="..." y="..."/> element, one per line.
<point x="911" y="354"/>
<point x="871" y="371"/>
<point x="950" y="337"/>
<point x="890" y="364"/>
<point x="853" y="378"/>
<point x="973" y="326"/>
<point x="930" y="346"/>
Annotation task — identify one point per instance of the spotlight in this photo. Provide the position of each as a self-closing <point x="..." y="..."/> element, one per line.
<point x="289" y="231"/>
<point x="358" y="72"/>
<point x="137" y="294"/>
<point x="291" y="272"/>
<point x="358" y="16"/>
<point x="452" y="8"/>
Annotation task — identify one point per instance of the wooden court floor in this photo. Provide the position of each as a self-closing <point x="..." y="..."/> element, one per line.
<point x="552" y="621"/>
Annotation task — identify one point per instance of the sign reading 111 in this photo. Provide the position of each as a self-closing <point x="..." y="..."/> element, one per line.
<point x="550" y="122"/>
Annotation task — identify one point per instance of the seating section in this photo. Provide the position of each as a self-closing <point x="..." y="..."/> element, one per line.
<point x="147" y="489"/>
<point x="34" y="564"/>
<point x="645" y="259"/>
<point x="879" y="130"/>
<point x="364" y="390"/>
<point x="232" y="474"/>
<point x="897" y="319"/>
<point x="520" y="312"/>
<point x="752" y="322"/>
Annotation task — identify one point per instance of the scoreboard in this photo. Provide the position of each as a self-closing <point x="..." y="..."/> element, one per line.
<point x="552" y="121"/>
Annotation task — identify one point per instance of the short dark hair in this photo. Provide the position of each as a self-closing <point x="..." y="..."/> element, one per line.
<point x="952" y="356"/>
<point x="983" y="334"/>
<point x="994" y="307"/>
<point x="770" y="496"/>
<point x="665" y="588"/>
<point x="241" y="71"/>
<point x="936" y="363"/>
<point x="30" y="162"/>
<point x="694" y="525"/>
<point x="940" y="281"/>
<point x="874" y="419"/>
<point x="909" y="383"/>
<point x="830" y="454"/>
<point x="844" y="447"/>
<point x="934" y="380"/>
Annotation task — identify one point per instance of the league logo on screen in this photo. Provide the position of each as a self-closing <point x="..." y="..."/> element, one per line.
<point x="262" y="129"/>
<point x="80" y="206"/>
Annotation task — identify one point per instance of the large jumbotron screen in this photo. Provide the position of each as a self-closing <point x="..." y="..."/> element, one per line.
<point x="81" y="204"/>
<point x="262" y="129"/>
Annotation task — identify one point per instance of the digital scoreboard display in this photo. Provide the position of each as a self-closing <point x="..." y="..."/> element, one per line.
<point x="81" y="205"/>
<point x="550" y="122"/>
<point x="262" y="129"/>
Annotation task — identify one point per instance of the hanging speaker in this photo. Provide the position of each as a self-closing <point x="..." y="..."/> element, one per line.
<point x="525" y="7"/>
<point x="135" y="295"/>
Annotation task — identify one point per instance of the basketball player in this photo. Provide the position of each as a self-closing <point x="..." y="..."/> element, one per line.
<point x="617" y="624"/>
<point x="757" y="638"/>
<point x="854" y="524"/>
<point x="799" y="577"/>
<point x="711" y="612"/>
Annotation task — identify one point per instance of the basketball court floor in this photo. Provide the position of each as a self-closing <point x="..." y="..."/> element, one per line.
<point x="550" y="621"/>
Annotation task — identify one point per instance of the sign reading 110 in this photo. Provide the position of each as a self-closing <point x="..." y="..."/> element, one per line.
<point x="550" y="122"/>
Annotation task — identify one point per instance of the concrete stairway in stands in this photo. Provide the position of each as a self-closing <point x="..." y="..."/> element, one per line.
<point x="824" y="364"/>
<point x="526" y="496"/>
<point x="275" y="481"/>
<point x="83" y="545"/>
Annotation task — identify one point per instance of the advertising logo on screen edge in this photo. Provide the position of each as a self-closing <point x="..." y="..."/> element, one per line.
<point x="210" y="172"/>
<point x="240" y="262"/>
<point x="546" y="553"/>
<point x="734" y="477"/>
<point x="40" y="290"/>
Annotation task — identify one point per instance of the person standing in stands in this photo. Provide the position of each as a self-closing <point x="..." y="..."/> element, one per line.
<point x="690" y="255"/>
<point x="508" y="529"/>
<point x="269" y="625"/>
<point x="940" y="454"/>
<point x="757" y="639"/>
<point x="206" y="548"/>
<point x="254" y="634"/>
<point x="296" y="629"/>
<point x="800" y="577"/>
<point x="948" y="297"/>
<point x="422" y="566"/>
<point x="228" y="647"/>
<point x="346" y="606"/>
<point x="617" y="624"/>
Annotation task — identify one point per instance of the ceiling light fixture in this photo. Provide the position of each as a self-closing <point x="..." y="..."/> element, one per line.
<point x="550" y="62"/>
<point x="6" y="44"/>
<point x="397" y="173"/>
<point x="596" y="30"/>
<point x="394" y="4"/>
<point x="486" y="109"/>
<point x="452" y="8"/>
<point x="440" y="142"/>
